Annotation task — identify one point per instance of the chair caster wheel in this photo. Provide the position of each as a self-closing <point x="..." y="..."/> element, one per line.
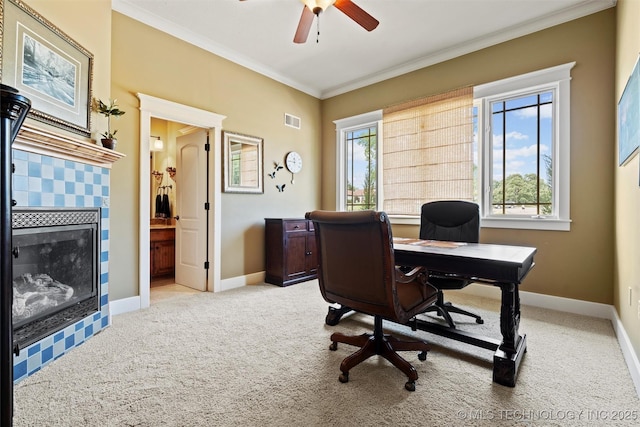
<point x="422" y="355"/>
<point x="333" y="346"/>
<point x="332" y="319"/>
<point x="344" y="378"/>
<point x="479" y="321"/>
<point x="410" y="385"/>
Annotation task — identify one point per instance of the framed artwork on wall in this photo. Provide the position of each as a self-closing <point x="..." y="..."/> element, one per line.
<point x="242" y="163"/>
<point x="629" y="118"/>
<point x="46" y="66"/>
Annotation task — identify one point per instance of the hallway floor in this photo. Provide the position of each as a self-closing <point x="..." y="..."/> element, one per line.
<point x="167" y="288"/>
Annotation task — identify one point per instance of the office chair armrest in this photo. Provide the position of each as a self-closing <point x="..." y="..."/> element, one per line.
<point x="419" y="274"/>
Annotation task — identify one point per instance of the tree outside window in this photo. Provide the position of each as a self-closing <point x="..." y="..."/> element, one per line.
<point x="522" y="146"/>
<point x="362" y="154"/>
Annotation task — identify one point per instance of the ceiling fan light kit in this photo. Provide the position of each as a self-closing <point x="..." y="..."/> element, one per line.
<point x="317" y="6"/>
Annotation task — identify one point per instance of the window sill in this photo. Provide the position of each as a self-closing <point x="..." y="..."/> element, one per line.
<point x="513" y="223"/>
<point x="527" y="223"/>
<point x="404" y="219"/>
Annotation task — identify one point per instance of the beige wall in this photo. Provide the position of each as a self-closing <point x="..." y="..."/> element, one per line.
<point x="627" y="192"/>
<point x="148" y="61"/>
<point x="576" y="264"/>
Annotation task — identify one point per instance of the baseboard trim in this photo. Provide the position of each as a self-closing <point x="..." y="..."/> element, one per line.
<point x="628" y="352"/>
<point x="568" y="305"/>
<point x="124" y="305"/>
<point x="240" y="281"/>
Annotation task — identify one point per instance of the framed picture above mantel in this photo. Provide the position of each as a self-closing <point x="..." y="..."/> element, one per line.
<point x="47" y="66"/>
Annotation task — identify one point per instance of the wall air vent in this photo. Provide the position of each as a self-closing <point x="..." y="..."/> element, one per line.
<point x="291" y="121"/>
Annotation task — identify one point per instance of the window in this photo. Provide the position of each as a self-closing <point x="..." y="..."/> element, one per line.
<point x="523" y="150"/>
<point x="507" y="149"/>
<point x="521" y="140"/>
<point x="362" y="153"/>
<point x="357" y="157"/>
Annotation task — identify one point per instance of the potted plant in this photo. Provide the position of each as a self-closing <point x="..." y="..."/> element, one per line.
<point x="108" y="110"/>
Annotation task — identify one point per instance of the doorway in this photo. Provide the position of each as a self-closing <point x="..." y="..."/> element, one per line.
<point x="151" y="107"/>
<point x="179" y="222"/>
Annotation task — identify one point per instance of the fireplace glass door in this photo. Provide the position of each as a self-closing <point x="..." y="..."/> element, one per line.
<point x="55" y="278"/>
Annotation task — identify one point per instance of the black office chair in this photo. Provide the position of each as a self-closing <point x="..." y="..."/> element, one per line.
<point x="357" y="270"/>
<point x="454" y="221"/>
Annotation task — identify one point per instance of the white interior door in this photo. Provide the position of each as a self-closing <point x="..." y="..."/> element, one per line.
<point x="191" y="196"/>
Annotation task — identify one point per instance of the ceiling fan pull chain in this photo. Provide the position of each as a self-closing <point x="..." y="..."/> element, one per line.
<point x="318" y="29"/>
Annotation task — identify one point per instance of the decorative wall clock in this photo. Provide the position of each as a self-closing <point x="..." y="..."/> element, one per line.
<point x="294" y="163"/>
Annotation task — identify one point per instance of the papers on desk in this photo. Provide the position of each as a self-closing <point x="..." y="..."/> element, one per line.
<point x="431" y="243"/>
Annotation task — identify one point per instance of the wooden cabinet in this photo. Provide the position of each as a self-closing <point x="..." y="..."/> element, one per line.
<point x="163" y="252"/>
<point x="290" y="248"/>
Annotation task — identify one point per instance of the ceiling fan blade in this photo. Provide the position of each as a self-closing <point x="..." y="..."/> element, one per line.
<point x="304" y="26"/>
<point x="354" y="12"/>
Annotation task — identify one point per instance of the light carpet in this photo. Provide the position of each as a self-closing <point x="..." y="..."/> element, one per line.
<point x="259" y="356"/>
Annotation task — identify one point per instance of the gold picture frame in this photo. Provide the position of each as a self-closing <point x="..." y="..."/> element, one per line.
<point x="47" y="66"/>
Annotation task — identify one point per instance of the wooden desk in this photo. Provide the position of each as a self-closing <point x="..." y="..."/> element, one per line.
<point x="498" y="265"/>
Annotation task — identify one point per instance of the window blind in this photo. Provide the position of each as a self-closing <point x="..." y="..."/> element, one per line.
<point x="428" y="151"/>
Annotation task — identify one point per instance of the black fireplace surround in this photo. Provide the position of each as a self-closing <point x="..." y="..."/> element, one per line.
<point x="56" y="270"/>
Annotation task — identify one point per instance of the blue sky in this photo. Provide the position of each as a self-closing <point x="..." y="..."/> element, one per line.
<point x="521" y="139"/>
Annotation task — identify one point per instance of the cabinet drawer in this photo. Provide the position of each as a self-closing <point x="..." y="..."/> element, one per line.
<point x="295" y="226"/>
<point x="162" y="234"/>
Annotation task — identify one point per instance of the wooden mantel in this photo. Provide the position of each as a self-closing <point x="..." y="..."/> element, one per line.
<point x="40" y="141"/>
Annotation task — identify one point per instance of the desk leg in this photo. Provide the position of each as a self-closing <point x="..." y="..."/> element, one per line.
<point x="508" y="356"/>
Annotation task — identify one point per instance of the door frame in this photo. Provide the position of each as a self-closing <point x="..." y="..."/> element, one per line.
<point x="167" y="110"/>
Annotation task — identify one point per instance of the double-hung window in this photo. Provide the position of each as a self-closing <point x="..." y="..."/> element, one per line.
<point x="523" y="150"/>
<point x="357" y="162"/>
<point x="504" y="145"/>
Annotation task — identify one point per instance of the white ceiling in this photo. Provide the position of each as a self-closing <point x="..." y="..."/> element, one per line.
<point x="412" y="34"/>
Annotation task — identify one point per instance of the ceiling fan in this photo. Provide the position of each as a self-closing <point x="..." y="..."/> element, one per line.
<point x="313" y="8"/>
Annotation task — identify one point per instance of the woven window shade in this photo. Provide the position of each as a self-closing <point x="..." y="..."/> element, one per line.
<point x="427" y="151"/>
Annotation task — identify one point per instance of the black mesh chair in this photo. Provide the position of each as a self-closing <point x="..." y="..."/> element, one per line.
<point x="454" y="221"/>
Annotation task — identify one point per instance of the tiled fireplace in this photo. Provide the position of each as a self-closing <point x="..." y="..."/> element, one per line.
<point x="60" y="174"/>
<point x="55" y="261"/>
